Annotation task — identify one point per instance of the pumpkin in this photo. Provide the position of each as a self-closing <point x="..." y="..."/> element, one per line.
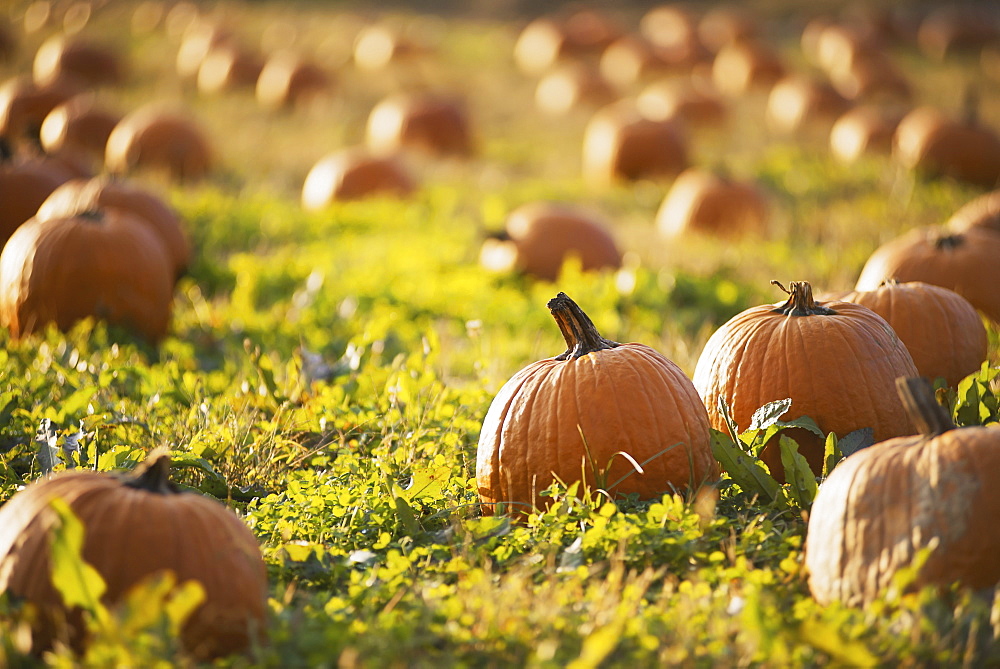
<point x="228" y="67"/>
<point x="837" y="361"/>
<point x="24" y="105"/>
<point x="745" y="66"/>
<point x="673" y="32"/>
<point x="955" y="28"/>
<point x="704" y="201"/>
<point x="863" y="130"/>
<point x="547" y="40"/>
<point x="77" y="60"/>
<point x="983" y="211"/>
<point x="620" y="144"/>
<point x="378" y="46"/>
<point x="799" y="103"/>
<point x="24" y="185"/>
<point x="869" y="77"/>
<point x="354" y="173"/>
<point x="629" y="61"/>
<point x="540" y="237"/>
<point x="162" y="139"/>
<point x="724" y="24"/>
<point x="9" y="41"/>
<point x="107" y="264"/>
<point x="80" y="124"/>
<point x="433" y="124"/>
<point x="136" y="526"/>
<point x="79" y="196"/>
<point x="289" y="80"/>
<point x="695" y="101"/>
<point x="884" y="504"/>
<point x="571" y="86"/>
<point x="929" y="140"/>
<point x="965" y="262"/>
<point x="942" y="331"/>
<point x="567" y="417"/>
<point x="200" y="37"/>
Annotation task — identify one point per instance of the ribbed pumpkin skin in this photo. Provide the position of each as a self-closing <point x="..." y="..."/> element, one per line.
<point x="942" y="331"/>
<point x="884" y="503"/>
<point x="62" y="270"/>
<point x="983" y="211"/>
<point x="628" y="398"/>
<point x="837" y="369"/>
<point x="964" y="262"/>
<point x="81" y="195"/>
<point x="130" y="534"/>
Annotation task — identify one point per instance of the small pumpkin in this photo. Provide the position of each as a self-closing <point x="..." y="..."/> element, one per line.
<point x="708" y="202"/>
<point x="157" y="138"/>
<point x="798" y="103"/>
<point x="540" y="236"/>
<point x="24" y="185"/>
<point x="200" y="37"/>
<point x="620" y="144"/>
<point x="567" y="417"/>
<point x="24" y="106"/>
<point x="289" y="80"/>
<point x="77" y="60"/>
<point x="929" y="140"/>
<point x="965" y="262"/>
<point x="379" y="46"/>
<point x="629" y="61"/>
<point x="747" y="65"/>
<point x="884" y="504"/>
<point x="942" y="331"/>
<point x="871" y="76"/>
<point x="724" y="24"/>
<point x="354" y="173"/>
<point x="571" y="86"/>
<point x="80" y="124"/>
<point x="136" y="526"/>
<point x="695" y="101"/>
<point x="78" y="196"/>
<point x="983" y="211"/>
<point x="105" y="264"/>
<point x="548" y="40"/>
<point x="837" y="361"/>
<point x="673" y="32"/>
<point x="950" y="29"/>
<point x="229" y="67"/>
<point x="430" y="123"/>
<point x="863" y="130"/>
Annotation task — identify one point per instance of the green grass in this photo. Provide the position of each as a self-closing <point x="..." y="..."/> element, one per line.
<point x="327" y="375"/>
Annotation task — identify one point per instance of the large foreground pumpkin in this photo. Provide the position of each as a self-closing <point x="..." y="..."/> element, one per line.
<point x="837" y="361"/>
<point x="569" y="416"/>
<point x="136" y="526"/>
<point x="884" y="504"/>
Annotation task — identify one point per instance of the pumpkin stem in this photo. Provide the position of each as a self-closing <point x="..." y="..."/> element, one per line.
<point x="800" y="301"/>
<point x="928" y="416"/>
<point x="577" y="329"/>
<point x="153" y="475"/>
<point x="946" y="242"/>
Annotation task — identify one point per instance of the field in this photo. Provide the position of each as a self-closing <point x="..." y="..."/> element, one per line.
<point x="327" y="372"/>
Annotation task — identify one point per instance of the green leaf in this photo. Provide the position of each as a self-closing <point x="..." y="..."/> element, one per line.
<point x="801" y="480"/>
<point x="832" y="455"/>
<point x="734" y="429"/>
<point x="78" y="583"/>
<point x="856" y="440"/>
<point x="746" y="470"/>
<point x="768" y="415"/>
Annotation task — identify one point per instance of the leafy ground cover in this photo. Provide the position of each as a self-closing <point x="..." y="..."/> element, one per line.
<point x="327" y="374"/>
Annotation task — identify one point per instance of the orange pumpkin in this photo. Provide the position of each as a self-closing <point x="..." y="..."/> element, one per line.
<point x="160" y="139"/>
<point x="24" y="185"/>
<point x="620" y="144"/>
<point x="567" y="417"/>
<point x="942" y="331"/>
<point x="837" y="361"/>
<point x="929" y="140"/>
<point x="106" y="264"/>
<point x="695" y="101"/>
<point x="228" y="67"/>
<point x="432" y="124"/>
<point x="746" y="65"/>
<point x="540" y="237"/>
<point x="965" y="262"/>
<point x="24" y="105"/>
<point x="673" y="32"/>
<point x="289" y="80"/>
<point x="137" y="526"/>
<point x="354" y="173"/>
<point x="77" y="60"/>
<point x="79" y="196"/>
<point x="712" y="203"/>
<point x="954" y="28"/>
<point x="800" y="103"/>
<point x="884" y="504"/>
<point x="80" y="124"/>
<point x="571" y="86"/>
<point x="863" y="130"/>
<point x="983" y="211"/>
<point x="630" y="60"/>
